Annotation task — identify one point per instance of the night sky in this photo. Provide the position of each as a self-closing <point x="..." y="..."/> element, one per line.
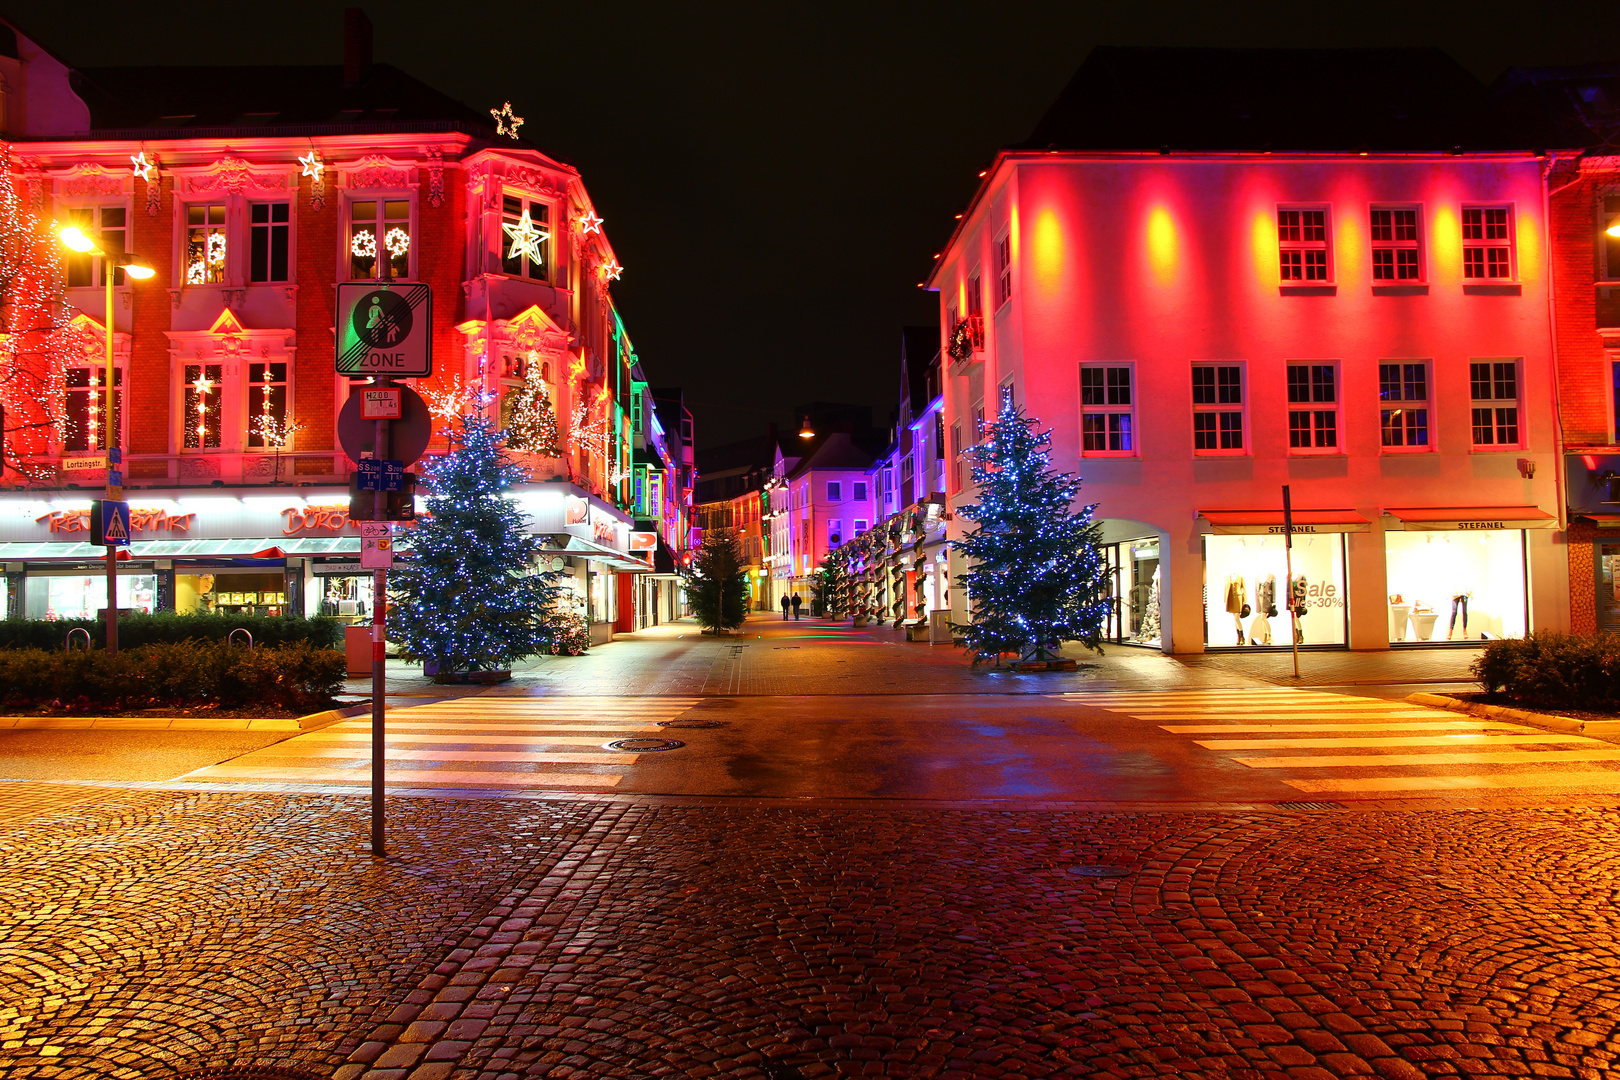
<point x="776" y="177"/>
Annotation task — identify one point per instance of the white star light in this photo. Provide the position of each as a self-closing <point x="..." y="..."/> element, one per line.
<point x="526" y="239"/>
<point x="313" y="165"/>
<point x="505" y="122"/>
<point x="590" y="223"/>
<point x="612" y="269"/>
<point x="143" y="168"/>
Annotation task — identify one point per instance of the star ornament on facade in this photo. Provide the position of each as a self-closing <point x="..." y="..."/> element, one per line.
<point x="590" y="223"/>
<point x="506" y="123"/>
<point x="612" y="270"/>
<point x="143" y="168"/>
<point x="313" y="165"/>
<point x="526" y="239"/>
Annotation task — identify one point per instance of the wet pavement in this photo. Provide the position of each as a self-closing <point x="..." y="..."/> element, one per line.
<point x="996" y="876"/>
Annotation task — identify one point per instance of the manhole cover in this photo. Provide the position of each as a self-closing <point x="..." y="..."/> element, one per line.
<point x="643" y="746"/>
<point x="243" y="1072"/>
<point x="690" y="723"/>
<point x="1099" y="871"/>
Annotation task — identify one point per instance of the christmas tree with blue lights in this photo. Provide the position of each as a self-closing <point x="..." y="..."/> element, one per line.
<point x="469" y="597"/>
<point x="1036" y="576"/>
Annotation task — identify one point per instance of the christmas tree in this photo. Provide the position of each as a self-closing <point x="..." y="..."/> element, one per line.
<point x="1036" y="576"/>
<point x="717" y="584"/>
<point x="532" y="427"/>
<point x="468" y="596"/>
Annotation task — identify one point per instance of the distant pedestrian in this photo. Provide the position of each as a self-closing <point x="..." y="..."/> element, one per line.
<point x="785" y="604"/>
<point x="797" y="600"/>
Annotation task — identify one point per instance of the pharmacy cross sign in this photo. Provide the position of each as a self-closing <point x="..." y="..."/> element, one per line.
<point x="385" y="328"/>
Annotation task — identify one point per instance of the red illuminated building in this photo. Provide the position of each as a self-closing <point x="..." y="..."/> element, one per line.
<point x="253" y="192"/>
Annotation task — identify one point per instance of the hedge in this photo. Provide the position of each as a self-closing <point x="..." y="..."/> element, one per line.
<point x="1554" y="671"/>
<point x="139" y="628"/>
<point x="296" y="677"/>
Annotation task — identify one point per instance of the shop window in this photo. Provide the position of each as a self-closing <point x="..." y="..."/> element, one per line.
<point x="205" y="243"/>
<point x="1496" y="402"/>
<point x="1403" y="400"/>
<point x="1487" y="243"/>
<point x="1217" y="407"/>
<point x="379" y="228"/>
<point x="87" y="407"/>
<point x="1246" y="582"/>
<point x="1396" y="250"/>
<point x="201" y="406"/>
<point x="1003" y="269"/>
<point x="1313" y="415"/>
<point x="1455" y="586"/>
<point x="1107" y="411"/>
<point x="525" y="237"/>
<point x="1609" y="244"/>
<point x="268" y="427"/>
<point x="269" y="227"/>
<point x="1302" y="244"/>
<point x="106" y="223"/>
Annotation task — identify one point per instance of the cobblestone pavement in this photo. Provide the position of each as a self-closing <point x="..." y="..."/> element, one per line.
<point x="632" y="937"/>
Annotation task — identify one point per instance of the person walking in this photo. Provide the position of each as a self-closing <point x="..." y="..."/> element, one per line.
<point x="785" y="603"/>
<point x="797" y="600"/>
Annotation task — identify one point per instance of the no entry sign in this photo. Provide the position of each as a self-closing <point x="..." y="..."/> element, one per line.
<point x="385" y="328"/>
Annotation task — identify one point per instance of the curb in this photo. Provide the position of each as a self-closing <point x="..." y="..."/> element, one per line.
<point x="330" y="717"/>
<point x="1549" y="721"/>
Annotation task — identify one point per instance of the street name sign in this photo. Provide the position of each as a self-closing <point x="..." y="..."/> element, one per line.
<point x="384" y="328"/>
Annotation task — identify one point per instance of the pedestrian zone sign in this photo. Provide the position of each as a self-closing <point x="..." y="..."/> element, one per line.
<point x="385" y="328"/>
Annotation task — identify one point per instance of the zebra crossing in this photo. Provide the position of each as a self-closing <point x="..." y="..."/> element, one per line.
<point x="1336" y="744"/>
<point x="470" y="742"/>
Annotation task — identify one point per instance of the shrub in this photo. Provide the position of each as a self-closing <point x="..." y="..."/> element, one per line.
<point x="294" y="677"/>
<point x="1555" y="671"/>
<point x="167" y="626"/>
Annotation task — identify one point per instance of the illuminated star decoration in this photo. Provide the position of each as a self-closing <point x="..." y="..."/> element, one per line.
<point x="526" y="239"/>
<point x="313" y="165"/>
<point x="612" y="269"/>
<point x="143" y="168"/>
<point x="505" y="122"/>
<point x="590" y="223"/>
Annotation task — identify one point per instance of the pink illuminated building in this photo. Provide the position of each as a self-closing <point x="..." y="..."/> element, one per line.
<point x="1214" y="273"/>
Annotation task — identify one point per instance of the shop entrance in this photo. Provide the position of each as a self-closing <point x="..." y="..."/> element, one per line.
<point x="1607" y="565"/>
<point x="1133" y="592"/>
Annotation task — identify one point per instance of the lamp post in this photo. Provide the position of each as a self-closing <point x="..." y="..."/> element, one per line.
<point x="86" y="243"/>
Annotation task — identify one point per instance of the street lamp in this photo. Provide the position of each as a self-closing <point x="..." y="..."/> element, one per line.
<point x="87" y="243"/>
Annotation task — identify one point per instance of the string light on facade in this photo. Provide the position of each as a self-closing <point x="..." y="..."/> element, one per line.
<point x="142" y="167"/>
<point x="532" y="421"/>
<point x="586" y="434"/>
<point x="203" y="385"/>
<point x="455" y="400"/>
<point x="590" y="223"/>
<point x="364" y="244"/>
<point x="526" y="239"/>
<point x="506" y="123"/>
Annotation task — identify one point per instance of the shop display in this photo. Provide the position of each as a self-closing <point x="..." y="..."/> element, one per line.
<point x="1243" y="572"/>
<point x="1455" y="586"/>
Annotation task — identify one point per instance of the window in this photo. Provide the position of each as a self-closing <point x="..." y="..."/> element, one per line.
<point x="267" y="257"/>
<point x="87" y="407"/>
<point x="978" y="423"/>
<point x="859" y="491"/>
<point x="1487" y="248"/>
<point x="975" y="295"/>
<point x="938" y="449"/>
<point x="107" y="222"/>
<point x="835" y="533"/>
<point x="835" y="491"/>
<point x="1003" y="270"/>
<point x="1313" y="385"/>
<point x="1007" y="394"/>
<point x="1106" y="411"/>
<point x="201" y="413"/>
<point x="956" y="457"/>
<point x="1403" y="404"/>
<point x="379" y="225"/>
<point x="860" y="526"/>
<point x="205" y="243"/>
<point x="1302" y="244"/>
<point x="525" y="237"/>
<point x="1217" y="407"/>
<point x="1610" y="244"/>
<point x="1395" y="244"/>
<point x="267" y="407"/>
<point x="1496" y="402"/>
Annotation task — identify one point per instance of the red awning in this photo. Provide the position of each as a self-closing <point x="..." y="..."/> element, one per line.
<point x="1270" y="522"/>
<point x="1470" y="518"/>
<point x="1602" y="521"/>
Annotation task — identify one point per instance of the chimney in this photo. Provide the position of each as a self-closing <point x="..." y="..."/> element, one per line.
<point x="356" y="46"/>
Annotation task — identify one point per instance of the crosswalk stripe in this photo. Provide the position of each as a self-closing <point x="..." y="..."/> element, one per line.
<point x="1405" y="740"/>
<point x="408" y="739"/>
<point x="401" y="778"/>
<point x="362" y="754"/>
<point x="395" y="725"/>
<point x="1606" y="782"/>
<point x="1357" y="761"/>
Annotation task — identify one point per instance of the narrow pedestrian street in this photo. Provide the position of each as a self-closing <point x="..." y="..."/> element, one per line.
<point x="809" y="851"/>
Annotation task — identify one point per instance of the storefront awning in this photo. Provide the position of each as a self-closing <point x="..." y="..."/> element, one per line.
<point x="582" y="548"/>
<point x="184" y="549"/>
<point x="1270" y="522"/>
<point x="1464" y="518"/>
<point x="1602" y="521"/>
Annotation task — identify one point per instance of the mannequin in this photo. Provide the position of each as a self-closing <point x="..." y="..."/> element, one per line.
<point x="1237" y="602"/>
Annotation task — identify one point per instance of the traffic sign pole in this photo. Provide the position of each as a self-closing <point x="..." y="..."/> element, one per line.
<point x="379" y="664"/>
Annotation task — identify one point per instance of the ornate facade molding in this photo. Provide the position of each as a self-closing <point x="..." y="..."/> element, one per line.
<point x="435" y="159"/>
<point x="233" y="175"/>
<point x="377" y="171"/>
<point x="89" y="179"/>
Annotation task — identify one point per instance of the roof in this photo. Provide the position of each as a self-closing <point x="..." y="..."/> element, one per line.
<point x="756" y="452"/>
<point x="1302" y="100"/>
<point x="1570" y="106"/>
<point x="270" y="100"/>
<point x="836" y="450"/>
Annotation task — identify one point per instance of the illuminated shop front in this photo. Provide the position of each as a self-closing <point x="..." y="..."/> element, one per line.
<point x="1246" y="582"/>
<point x="1458" y="574"/>
<point x="1133" y="579"/>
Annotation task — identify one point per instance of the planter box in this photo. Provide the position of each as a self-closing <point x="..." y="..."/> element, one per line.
<point x="444" y="678"/>
<point x="860" y="621"/>
<point x="1044" y="665"/>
